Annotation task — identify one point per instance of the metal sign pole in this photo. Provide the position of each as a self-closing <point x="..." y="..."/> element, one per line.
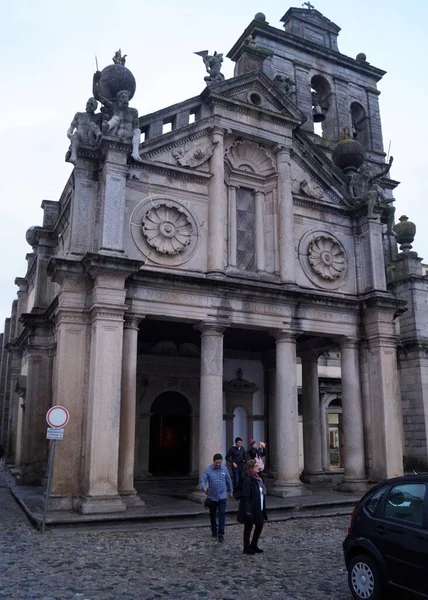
<point x="48" y="485"/>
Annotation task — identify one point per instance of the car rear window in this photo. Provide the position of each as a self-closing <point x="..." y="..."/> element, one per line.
<point x="406" y="503"/>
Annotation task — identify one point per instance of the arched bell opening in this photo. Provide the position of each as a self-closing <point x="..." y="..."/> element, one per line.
<point x="359" y="124"/>
<point x="322" y="113"/>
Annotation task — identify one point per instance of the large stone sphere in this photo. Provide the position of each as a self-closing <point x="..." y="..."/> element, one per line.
<point x="114" y="79"/>
<point x="348" y="155"/>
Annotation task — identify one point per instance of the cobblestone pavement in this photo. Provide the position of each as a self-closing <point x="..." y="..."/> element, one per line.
<point x="302" y="560"/>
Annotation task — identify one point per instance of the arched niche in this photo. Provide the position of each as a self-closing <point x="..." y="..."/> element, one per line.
<point x="239" y="394"/>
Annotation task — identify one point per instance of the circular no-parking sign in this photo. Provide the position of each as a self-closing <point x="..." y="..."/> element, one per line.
<point x="57" y="416"/>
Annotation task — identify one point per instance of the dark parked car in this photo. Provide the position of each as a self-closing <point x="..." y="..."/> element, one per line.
<point x="387" y="541"/>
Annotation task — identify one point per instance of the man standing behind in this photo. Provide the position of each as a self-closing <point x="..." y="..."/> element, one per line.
<point x="236" y="457"/>
<point x="216" y="482"/>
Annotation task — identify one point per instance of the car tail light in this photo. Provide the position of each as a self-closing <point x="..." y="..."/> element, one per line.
<point x="351" y="521"/>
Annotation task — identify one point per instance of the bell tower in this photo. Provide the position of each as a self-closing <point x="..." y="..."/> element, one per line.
<point x="336" y="91"/>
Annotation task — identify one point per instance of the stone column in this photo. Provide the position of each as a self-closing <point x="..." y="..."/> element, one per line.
<point x="286" y="418"/>
<point x="259" y="199"/>
<point x="352" y="418"/>
<point x="286" y="250"/>
<point x="70" y="381"/>
<point x="232" y="225"/>
<point x="211" y="395"/>
<point x="106" y="309"/>
<point x="38" y="400"/>
<point x="128" y="413"/>
<point x="311" y="420"/>
<point x="272" y="448"/>
<point x="216" y="209"/>
<point x="303" y="92"/>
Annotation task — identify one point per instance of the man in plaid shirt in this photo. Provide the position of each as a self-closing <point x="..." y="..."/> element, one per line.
<point x="216" y="483"/>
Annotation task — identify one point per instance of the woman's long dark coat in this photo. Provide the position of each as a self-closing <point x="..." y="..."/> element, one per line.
<point x="249" y="510"/>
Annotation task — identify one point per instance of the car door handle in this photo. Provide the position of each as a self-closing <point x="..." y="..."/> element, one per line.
<point x="381" y="530"/>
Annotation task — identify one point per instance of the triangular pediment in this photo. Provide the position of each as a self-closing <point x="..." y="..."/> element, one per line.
<point x="257" y="91"/>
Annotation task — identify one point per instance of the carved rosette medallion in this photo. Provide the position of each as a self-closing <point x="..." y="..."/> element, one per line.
<point x="164" y="230"/>
<point x="326" y="257"/>
<point x="167" y="229"/>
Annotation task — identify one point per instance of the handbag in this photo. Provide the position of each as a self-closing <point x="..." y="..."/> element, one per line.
<point x="207" y="503"/>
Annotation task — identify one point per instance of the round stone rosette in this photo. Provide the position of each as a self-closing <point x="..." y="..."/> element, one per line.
<point x="326" y="257"/>
<point x="164" y="231"/>
<point x="323" y="259"/>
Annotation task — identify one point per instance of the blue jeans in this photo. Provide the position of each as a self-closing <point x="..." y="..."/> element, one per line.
<point x="237" y="475"/>
<point x="219" y="506"/>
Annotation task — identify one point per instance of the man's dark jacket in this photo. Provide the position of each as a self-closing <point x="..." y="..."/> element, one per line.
<point x="236" y="455"/>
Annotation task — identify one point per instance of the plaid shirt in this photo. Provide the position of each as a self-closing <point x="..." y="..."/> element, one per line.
<point x="219" y="482"/>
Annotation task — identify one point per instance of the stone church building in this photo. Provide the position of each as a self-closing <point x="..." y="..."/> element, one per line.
<point x="234" y="272"/>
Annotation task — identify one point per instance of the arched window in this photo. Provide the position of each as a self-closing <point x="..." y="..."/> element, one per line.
<point x="359" y="124"/>
<point x="321" y="104"/>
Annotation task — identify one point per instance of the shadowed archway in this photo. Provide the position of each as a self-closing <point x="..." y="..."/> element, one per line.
<point x="170" y="435"/>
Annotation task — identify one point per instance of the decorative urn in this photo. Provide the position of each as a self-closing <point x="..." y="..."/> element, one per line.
<point x="348" y="155"/>
<point x="114" y="79"/>
<point x="405" y="231"/>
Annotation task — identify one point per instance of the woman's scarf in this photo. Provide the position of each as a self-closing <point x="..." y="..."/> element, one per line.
<point x="259" y="480"/>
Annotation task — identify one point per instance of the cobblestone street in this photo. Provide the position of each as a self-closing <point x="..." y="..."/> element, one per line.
<point x="302" y="560"/>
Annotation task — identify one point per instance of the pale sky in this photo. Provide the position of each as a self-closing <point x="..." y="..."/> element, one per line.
<point x="48" y="50"/>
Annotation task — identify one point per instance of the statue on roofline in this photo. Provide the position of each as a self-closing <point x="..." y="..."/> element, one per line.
<point x="118" y="59"/>
<point x="84" y="130"/>
<point x="120" y="119"/>
<point x="213" y="66"/>
<point x="365" y="190"/>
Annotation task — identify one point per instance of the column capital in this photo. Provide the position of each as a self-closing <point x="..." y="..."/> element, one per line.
<point x="350" y="343"/>
<point x="221" y="131"/>
<point x="132" y="321"/>
<point x="207" y="328"/>
<point x="310" y="355"/>
<point x="284" y="335"/>
<point x="284" y="148"/>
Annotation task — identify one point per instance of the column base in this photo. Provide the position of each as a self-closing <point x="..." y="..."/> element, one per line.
<point x="359" y="486"/>
<point x="91" y="505"/>
<point x="316" y="477"/>
<point x="64" y="503"/>
<point x="197" y="496"/>
<point x="216" y="274"/>
<point x="287" y="490"/>
<point x="131" y="499"/>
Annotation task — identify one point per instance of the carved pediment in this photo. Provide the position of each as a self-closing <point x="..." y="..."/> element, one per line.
<point x="257" y="91"/>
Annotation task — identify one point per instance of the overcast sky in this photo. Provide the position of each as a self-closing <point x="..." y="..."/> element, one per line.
<point x="48" y="58"/>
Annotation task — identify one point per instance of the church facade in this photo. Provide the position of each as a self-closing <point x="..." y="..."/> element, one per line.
<point x="237" y="273"/>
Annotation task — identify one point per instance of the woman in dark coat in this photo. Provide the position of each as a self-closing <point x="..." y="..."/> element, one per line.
<point x="252" y="507"/>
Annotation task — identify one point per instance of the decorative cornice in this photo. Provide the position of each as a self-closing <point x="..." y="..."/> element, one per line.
<point x="176" y="143"/>
<point x="173" y="171"/>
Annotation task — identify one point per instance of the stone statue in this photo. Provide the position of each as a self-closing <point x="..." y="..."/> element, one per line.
<point x="123" y="120"/>
<point x="363" y="188"/>
<point x="213" y="66"/>
<point x="118" y="59"/>
<point x="84" y="130"/>
<point x="285" y="83"/>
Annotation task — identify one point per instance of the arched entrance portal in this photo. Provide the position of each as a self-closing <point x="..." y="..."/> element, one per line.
<point x="170" y="435"/>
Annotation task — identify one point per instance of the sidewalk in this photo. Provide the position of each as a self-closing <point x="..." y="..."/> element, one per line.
<point x="175" y="511"/>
